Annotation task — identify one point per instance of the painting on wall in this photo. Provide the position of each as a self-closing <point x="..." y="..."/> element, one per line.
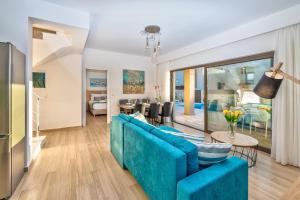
<point x="39" y="79"/>
<point x="97" y="83"/>
<point x="133" y="82"/>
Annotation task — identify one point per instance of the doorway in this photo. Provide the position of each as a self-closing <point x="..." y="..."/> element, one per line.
<point x="96" y="105"/>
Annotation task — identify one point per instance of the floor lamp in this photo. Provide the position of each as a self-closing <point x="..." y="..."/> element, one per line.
<point x="270" y="82"/>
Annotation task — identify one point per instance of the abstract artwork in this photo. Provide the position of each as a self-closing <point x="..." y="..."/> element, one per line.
<point x="39" y="79"/>
<point x="97" y="83"/>
<point x="133" y="82"/>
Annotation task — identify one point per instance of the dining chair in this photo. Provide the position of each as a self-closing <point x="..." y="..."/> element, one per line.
<point x="166" y="111"/>
<point x="138" y="107"/>
<point x="153" y="112"/>
<point x="122" y="102"/>
<point x="263" y="117"/>
<point x="145" y="100"/>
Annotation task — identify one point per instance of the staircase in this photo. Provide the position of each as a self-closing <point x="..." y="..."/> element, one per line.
<point x="50" y="46"/>
<point x="37" y="140"/>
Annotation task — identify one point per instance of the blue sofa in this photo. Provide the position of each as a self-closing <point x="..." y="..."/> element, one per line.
<point x="166" y="166"/>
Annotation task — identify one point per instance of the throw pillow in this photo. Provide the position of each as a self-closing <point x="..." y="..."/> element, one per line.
<point x="135" y="114"/>
<point x="212" y="153"/>
<point x="139" y="116"/>
<point x="194" y="139"/>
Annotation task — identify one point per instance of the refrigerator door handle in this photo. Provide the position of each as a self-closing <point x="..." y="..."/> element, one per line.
<point x="5" y="134"/>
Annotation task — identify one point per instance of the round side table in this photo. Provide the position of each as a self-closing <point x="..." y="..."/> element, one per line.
<point x="243" y="146"/>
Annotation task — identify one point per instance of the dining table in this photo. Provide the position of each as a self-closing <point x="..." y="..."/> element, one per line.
<point x="129" y="107"/>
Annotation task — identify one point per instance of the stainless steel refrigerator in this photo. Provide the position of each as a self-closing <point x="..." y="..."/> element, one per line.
<point x="12" y="118"/>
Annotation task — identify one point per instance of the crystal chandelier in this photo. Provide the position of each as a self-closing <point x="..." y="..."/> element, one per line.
<point x="152" y="33"/>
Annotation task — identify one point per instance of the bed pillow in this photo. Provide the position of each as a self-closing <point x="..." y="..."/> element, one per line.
<point x="212" y="153"/>
<point x="97" y="99"/>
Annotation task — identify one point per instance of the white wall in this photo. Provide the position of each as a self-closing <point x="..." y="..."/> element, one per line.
<point x="62" y="104"/>
<point x="16" y="28"/>
<point x="254" y="28"/>
<point x="115" y="63"/>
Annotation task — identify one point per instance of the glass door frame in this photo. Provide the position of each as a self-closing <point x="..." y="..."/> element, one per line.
<point x="260" y="56"/>
<point x="172" y="95"/>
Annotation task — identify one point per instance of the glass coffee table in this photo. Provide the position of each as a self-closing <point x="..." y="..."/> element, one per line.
<point x="243" y="146"/>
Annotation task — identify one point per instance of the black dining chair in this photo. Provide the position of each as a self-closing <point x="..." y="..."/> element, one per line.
<point x="145" y="100"/>
<point x="137" y="101"/>
<point x="153" y="112"/>
<point x="138" y="107"/>
<point x="122" y="102"/>
<point x="166" y="111"/>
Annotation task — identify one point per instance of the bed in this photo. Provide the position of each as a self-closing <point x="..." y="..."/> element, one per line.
<point x="98" y="104"/>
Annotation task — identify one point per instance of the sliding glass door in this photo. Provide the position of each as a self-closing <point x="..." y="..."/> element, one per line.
<point x="223" y="85"/>
<point x="232" y="86"/>
<point x="188" y="95"/>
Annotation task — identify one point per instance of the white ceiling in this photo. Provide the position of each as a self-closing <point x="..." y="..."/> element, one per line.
<point x="116" y="24"/>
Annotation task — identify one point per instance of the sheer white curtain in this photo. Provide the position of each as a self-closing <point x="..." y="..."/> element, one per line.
<point x="286" y="105"/>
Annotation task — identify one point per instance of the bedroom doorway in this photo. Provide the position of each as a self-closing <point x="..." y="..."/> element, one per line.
<point x="96" y="94"/>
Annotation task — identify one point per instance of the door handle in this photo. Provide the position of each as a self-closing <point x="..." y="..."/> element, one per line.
<point x="3" y="135"/>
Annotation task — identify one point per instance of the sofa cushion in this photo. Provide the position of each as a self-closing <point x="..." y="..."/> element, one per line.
<point x="125" y="117"/>
<point x="146" y="126"/>
<point x="226" y="180"/>
<point x="187" y="147"/>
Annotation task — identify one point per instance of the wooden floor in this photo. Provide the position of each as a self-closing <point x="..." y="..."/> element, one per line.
<point x="76" y="163"/>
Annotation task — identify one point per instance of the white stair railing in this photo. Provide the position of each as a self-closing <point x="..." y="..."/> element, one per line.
<point x="36" y="114"/>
